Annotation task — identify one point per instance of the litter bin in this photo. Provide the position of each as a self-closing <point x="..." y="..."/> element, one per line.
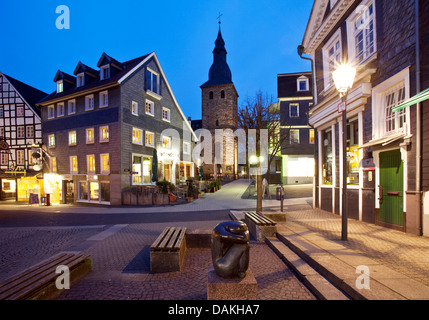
<point x="48" y="199"/>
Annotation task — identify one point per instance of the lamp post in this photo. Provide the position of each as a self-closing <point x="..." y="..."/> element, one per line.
<point x="343" y="77"/>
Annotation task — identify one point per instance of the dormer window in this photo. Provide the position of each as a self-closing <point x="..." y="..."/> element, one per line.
<point x="105" y="72"/>
<point x="80" y="80"/>
<point x="303" y="84"/>
<point x="60" y="86"/>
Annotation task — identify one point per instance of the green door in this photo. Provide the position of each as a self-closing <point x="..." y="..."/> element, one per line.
<point x="391" y="188"/>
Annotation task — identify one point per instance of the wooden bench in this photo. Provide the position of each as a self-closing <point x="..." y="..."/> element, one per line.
<point x="39" y="282"/>
<point x="167" y="253"/>
<point x="260" y="226"/>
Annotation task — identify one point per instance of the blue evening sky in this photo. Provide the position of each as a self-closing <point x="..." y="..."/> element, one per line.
<point x="261" y="39"/>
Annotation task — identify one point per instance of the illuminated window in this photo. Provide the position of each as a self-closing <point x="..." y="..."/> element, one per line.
<point x="149" y="139"/>
<point x="332" y="57"/>
<point x="352" y="152"/>
<point x="142" y="169"/>
<point x="104" y="98"/>
<point x="104" y="134"/>
<point x="20" y="132"/>
<point x="327" y="157"/>
<point x="20" y="157"/>
<point x="72" y="138"/>
<point x="166" y="142"/>
<point x="4" y="158"/>
<point x="294" y="136"/>
<point x="105" y="163"/>
<point x="51" y="140"/>
<point x="311" y="133"/>
<point x="53" y="165"/>
<point x="90" y="135"/>
<point x="60" y="86"/>
<point x="150" y="108"/>
<point x="134" y="108"/>
<point x="19" y="111"/>
<point x="137" y="136"/>
<point x="90" y="163"/>
<point x="73" y="164"/>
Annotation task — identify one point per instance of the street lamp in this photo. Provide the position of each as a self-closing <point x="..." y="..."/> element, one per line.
<point x="344" y="77"/>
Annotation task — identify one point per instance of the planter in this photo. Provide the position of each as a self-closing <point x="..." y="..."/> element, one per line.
<point x="161" y="199"/>
<point x="190" y="199"/>
<point x="172" y="197"/>
<point x="196" y="195"/>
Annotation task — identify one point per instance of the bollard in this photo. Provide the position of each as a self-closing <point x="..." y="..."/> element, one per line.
<point x="48" y="199"/>
<point x="280" y="195"/>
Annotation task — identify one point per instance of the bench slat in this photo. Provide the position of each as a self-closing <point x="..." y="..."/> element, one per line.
<point x="259" y="218"/>
<point x="180" y="238"/>
<point x="159" y="239"/>
<point x="173" y="239"/>
<point x="21" y="285"/>
<point x="166" y="238"/>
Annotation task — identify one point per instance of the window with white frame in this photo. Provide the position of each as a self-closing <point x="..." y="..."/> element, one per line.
<point x="105" y="72"/>
<point x="60" y="109"/>
<point x="385" y="97"/>
<point x="186" y="147"/>
<point x="149" y="139"/>
<point x="4" y="158"/>
<point x="29" y="131"/>
<point x="90" y="163"/>
<point x="137" y="136"/>
<point x="152" y="81"/>
<point x="51" y="140"/>
<point x="165" y="114"/>
<point x="51" y="112"/>
<point x="104" y="134"/>
<point x="150" y="108"/>
<point x="2" y="132"/>
<point x="19" y="111"/>
<point x="20" y="157"/>
<point x="332" y="56"/>
<point x="89" y="102"/>
<point x="294" y="136"/>
<point x="104" y="163"/>
<point x="71" y="106"/>
<point x="60" y="86"/>
<point x="72" y="138"/>
<point x="90" y="135"/>
<point x="294" y="110"/>
<point x="80" y="80"/>
<point x="361" y="27"/>
<point x="166" y="142"/>
<point x="20" y="132"/>
<point x="303" y="84"/>
<point x="73" y="164"/>
<point x="104" y="99"/>
<point x="134" y="108"/>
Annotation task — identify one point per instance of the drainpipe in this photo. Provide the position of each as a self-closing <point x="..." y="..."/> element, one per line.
<point x="316" y="143"/>
<point x="418" y="118"/>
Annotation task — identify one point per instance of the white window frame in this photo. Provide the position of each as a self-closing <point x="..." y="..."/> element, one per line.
<point x="327" y="72"/>
<point x="51" y="111"/>
<point x="186" y="147"/>
<point x="352" y="32"/>
<point x="134" y="108"/>
<point x="140" y="136"/>
<point x="290" y="110"/>
<point x="166" y="114"/>
<point x="290" y="137"/>
<point x="103" y="99"/>
<point x="4" y="158"/>
<point x="71" y="164"/>
<point x="20" y="132"/>
<point x="20" y="157"/>
<point x="72" y="138"/>
<point x="102" y="70"/>
<point x="19" y="111"/>
<point x="80" y="79"/>
<point x="149" y="86"/>
<point x="166" y="142"/>
<point x="88" y="141"/>
<point x="71" y="106"/>
<point x="153" y="139"/>
<point x="88" y="163"/>
<point x="104" y="139"/>
<point x="61" y="110"/>
<point x="307" y="84"/>
<point x="60" y="86"/>
<point x="102" y="169"/>
<point x="151" y="104"/>
<point x="29" y="131"/>
<point x="379" y="94"/>
<point x="51" y="140"/>
<point x="89" y="102"/>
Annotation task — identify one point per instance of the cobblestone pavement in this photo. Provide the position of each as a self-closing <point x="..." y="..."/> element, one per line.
<point x="403" y="252"/>
<point x="121" y="271"/>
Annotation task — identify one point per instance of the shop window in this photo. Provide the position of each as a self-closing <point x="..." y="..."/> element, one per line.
<point x="142" y="169"/>
<point x="327" y="157"/>
<point x="105" y="191"/>
<point x="352" y="153"/>
<point x="94" y="190"/>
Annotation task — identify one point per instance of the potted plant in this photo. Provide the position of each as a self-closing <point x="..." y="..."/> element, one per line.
<point x="190" y="194"/>
<point x="196" y="193"/>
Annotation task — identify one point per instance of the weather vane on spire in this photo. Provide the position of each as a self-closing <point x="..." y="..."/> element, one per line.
<point x="218" y="18"/>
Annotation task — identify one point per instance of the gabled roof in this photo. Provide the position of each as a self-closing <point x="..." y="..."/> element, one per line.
<point x="106" y="59"/>
<point x="60" y="75"/>
<point x="28" y="93"/>
<point x="84" y="68"/>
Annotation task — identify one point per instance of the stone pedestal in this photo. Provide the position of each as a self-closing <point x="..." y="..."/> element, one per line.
<point x="231" y="289"/>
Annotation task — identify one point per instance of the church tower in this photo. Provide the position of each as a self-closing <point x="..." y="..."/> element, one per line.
<point x="220" y="111"/>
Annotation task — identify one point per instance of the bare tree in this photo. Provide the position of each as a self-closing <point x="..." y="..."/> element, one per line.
<point x="260" y="113"/>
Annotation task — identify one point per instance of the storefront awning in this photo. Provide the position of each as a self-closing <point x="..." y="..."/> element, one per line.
<point x="383" y="141"/>
<point x="422" y="96"/>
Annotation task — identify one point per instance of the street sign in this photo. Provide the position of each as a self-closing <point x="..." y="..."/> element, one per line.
<point x="342" y="107"/>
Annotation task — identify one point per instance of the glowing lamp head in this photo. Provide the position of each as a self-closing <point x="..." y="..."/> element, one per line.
<point x="253" y="159"/>
<point x="344" y="77"/>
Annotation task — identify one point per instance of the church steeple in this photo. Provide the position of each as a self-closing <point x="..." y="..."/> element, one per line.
<point x="219" y="72"/>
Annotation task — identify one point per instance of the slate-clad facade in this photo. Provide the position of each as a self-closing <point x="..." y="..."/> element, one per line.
<point x="20" y="139"/>
<point x="101" y="132"/>
<point x="378" y="38"/>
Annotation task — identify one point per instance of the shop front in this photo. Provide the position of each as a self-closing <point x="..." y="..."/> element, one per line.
<point x="93" y="188"/>
<point x="8" y="189"/>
